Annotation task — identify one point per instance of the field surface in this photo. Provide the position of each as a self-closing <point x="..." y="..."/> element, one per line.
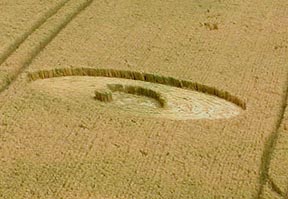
<point x="143" y="99"/>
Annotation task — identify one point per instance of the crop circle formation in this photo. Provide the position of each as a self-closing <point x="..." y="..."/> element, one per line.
<point x="140" y="93"/>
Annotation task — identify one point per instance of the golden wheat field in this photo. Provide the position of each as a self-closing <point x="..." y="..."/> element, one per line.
<point x="130" y="99"/>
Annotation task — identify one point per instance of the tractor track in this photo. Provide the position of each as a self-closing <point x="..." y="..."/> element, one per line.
<point x="37" y="39"/>
<point x="269" y="148"/>
<point x="19" y="40"/>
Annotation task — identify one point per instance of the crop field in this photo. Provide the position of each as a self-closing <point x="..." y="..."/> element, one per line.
<point x="143" y="99"/>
